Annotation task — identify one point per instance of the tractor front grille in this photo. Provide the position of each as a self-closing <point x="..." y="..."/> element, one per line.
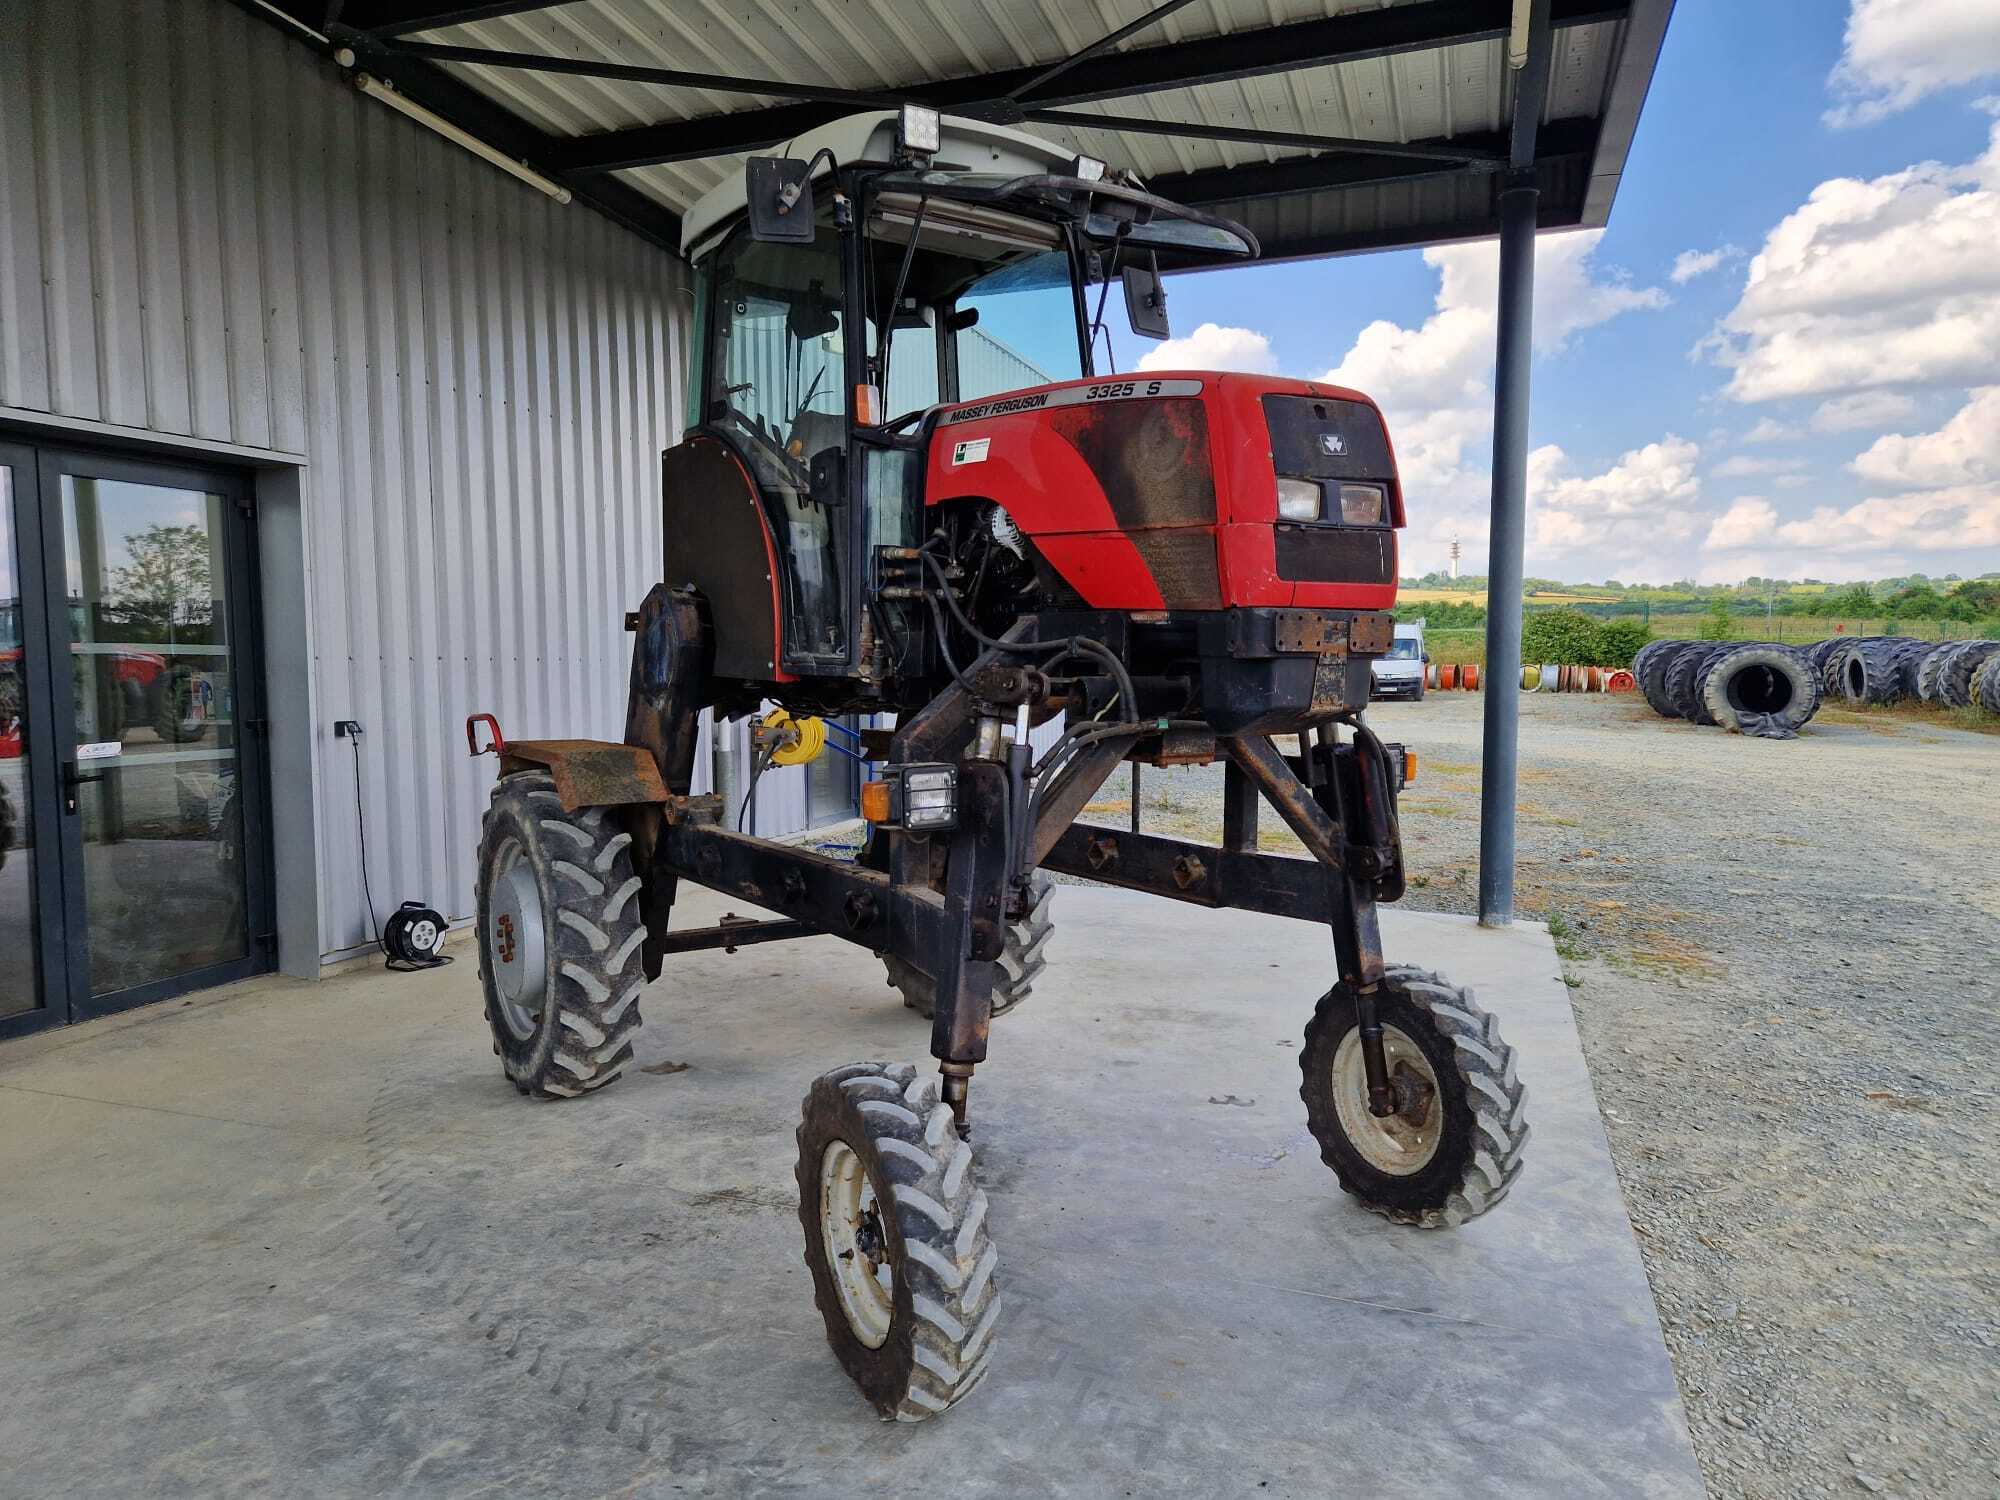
<point x="1336" y="554"/>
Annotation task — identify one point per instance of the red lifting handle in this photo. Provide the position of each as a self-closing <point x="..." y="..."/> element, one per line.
<point x="499" y="745"/>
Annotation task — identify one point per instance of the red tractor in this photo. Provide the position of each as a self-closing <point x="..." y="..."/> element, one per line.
<point x="910" y="485"/>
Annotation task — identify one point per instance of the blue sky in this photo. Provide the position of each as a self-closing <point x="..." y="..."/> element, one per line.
<point x="1810" y="404"/>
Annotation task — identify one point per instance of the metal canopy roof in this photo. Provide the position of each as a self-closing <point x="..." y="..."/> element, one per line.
<point x="1324" y="125"/>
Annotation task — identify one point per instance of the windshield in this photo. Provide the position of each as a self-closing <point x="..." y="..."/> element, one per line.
<point x="984" y="293"/>
<point x="1025" y="331"/>
<point x="1405" y="648"/>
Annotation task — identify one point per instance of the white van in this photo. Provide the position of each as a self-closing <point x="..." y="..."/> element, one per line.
<point x="1400" y="674"/>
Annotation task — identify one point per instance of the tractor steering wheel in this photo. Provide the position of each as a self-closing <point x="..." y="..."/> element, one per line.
<point x="763" y="439"/>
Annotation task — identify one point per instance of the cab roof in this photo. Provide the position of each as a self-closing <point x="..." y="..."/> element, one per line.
<point x="970" y="144"/>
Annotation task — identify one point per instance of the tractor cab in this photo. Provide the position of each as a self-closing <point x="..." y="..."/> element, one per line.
<point x="889" y="267"/>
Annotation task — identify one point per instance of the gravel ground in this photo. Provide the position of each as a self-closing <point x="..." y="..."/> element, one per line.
<point x="1783" y="963"/>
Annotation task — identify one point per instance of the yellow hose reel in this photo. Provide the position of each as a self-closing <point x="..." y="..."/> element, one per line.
<point x="798" y="741"/>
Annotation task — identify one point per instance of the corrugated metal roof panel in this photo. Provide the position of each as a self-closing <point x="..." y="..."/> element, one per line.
<point x="1440" y="94"/>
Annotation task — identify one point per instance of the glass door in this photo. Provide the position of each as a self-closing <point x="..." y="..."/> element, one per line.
<point x="24" y="903"/>
<point x="143" y="764"/>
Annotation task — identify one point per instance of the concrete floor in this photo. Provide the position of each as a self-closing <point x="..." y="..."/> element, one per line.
<point x="296" y="1239"/>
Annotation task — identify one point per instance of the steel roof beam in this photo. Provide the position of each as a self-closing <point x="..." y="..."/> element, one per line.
<point x="1353" y="35"/>
<point x="1531" y="88"/>
<point x="1455" y="150"/>
<point x="1104" y="43"/>
<point x="542" y="62"/>
<point x="1306" y="174"/>
<point x="470" y="110"/>
<point x="386" y="18"/>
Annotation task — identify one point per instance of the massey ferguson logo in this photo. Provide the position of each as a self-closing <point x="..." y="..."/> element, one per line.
<point x="1333" y="445"/>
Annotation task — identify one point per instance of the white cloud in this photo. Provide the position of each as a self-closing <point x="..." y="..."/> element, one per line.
<point x="1893" y="282"/>
<point x="1962" y="518"/>
<point x="1213" y="347"/>
<point x="1624" y="515"/>
<point x="1770" y="430"/>
<point x="1792" y="481"/>
<point x="1750" y="522"/>
<point x="1742" y="466"/>
<point x="1863" y="409"/>
<point x="1434" y="381"/>
<point x="1965" y="451"/>
<point x="1692" y="263"/>
<point x="1900" y="50"/>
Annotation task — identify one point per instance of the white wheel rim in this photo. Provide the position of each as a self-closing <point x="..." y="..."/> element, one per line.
<point x="853" y="1237"/>
<point x="515" y="940"/>
<point x="1399" y="1144"/>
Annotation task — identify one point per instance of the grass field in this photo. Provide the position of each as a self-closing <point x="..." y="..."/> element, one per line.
<point x="1478" y="596"/>
<point x="1440" y="596"/>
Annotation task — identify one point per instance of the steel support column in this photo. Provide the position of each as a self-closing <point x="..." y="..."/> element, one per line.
<point x="1513" y="358"/>
<point x="1504" y="555"/>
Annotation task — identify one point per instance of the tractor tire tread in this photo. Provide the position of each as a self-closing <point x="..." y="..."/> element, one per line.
<point x="1491" y="1152"/>
<point x="583" y="1040"/>
<point x="941" y="1337"/>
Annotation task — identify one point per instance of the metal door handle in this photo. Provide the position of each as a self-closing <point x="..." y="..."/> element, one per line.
<point x="72" y="779"/>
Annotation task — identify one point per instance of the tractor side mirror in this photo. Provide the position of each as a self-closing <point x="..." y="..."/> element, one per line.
<point x="1146" y="301"/>
<point x="962" y="319"/>
<point x="778" y="190"/>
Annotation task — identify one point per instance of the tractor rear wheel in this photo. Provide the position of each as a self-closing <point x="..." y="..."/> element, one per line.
<point x="895" y="1229"/>
<point x="559" y="938"/>
<point x="1020" y="964"/>
<point x="1454" y="1147"/>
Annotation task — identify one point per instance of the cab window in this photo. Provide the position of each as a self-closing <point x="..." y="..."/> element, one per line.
<point x="776" y="389"/>
<point x="776" y="374"/>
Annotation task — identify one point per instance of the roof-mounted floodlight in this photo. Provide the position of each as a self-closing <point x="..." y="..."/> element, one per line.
<point x="919" y="130"/>
<point x="1088" y="168"/>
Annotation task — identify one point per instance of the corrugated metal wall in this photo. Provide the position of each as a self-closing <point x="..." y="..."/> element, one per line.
<point x="205" y="233"/>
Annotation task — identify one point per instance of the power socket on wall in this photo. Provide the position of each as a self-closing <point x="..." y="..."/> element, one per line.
<point x="344" y="728"/>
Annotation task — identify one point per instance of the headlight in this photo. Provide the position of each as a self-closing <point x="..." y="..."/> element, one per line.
<point x="930" y="797"/>
<point x="1298" y="499"/>
<point x="919" y="798"/>
<point x="1361" y="504"/>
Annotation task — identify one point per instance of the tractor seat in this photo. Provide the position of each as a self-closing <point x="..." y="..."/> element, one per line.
<point x="814" y="431"/>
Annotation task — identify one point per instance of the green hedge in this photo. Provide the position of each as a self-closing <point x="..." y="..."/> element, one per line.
<point x="1570" y="638"/>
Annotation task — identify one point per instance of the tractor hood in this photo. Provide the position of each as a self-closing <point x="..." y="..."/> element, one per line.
<point x="1160" y="490"/>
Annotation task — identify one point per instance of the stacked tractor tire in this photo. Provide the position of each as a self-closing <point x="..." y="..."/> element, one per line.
<point x="1891" y="668"/>
<point x="1766" y="689"/>
<point x="1751" y="687"/>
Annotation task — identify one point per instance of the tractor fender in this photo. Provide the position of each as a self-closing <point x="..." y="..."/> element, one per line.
<point x="589" y="773"/>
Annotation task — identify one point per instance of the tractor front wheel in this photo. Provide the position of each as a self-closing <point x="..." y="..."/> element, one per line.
<point x="1454" y="1146"/>
<point x="896" y="1240"/>
<point x="559" y="938"/>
